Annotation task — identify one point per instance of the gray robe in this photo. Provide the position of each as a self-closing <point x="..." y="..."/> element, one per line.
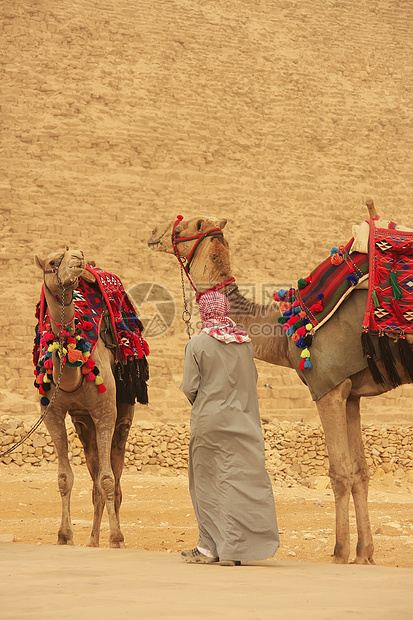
<point x="230" y="489"/>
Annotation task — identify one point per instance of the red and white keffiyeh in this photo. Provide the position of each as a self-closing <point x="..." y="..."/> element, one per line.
<point x="214" y="309"/>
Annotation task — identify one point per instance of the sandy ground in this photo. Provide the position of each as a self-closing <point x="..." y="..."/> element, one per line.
<point x="148" y="579"/>
<point x="157" y="515"/>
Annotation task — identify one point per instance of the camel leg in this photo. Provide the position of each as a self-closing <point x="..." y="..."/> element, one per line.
<point x="120" y="437"/>
<point x="364" y="551"/>
<point x="332" y="410"/>
<point x="55" y="424"/>
<point x="86" y="431"/>
<point x="106" y="479"/>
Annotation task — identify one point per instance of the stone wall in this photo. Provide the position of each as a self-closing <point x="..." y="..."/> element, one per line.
<point x="281" y="115"/>
<point x="295" y="452"/>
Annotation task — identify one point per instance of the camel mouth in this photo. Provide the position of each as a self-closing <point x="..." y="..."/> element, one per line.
<point x="156" y="245"/>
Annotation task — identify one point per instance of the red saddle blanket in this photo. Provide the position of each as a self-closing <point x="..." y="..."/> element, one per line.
<point x="390" y="297"/>
<point x="130" y="349"/>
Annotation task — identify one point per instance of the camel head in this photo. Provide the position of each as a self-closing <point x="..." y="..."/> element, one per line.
<point x="62" y="269"/>
<point x="200" y="242"/>
<point x="161" y="238"/>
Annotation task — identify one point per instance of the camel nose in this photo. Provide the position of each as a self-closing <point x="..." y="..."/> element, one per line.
<point x="76" y="259"/>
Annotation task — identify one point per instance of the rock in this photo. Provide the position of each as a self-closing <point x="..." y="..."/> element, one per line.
<point x="322" y="482"/>
<point x="7" y="538"/>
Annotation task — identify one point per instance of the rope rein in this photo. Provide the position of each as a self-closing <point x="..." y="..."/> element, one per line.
<point x="57" y="386"/>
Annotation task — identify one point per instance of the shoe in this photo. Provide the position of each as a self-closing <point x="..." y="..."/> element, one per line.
<point x="230" y="563"/>
<point x="194" y="556"/>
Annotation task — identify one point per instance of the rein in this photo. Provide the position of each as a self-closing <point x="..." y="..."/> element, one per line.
<point x="57" y="387"/>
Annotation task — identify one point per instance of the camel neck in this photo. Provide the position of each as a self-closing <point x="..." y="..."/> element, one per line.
<point x="60" y="320"/>
<point x="260" y="321"/>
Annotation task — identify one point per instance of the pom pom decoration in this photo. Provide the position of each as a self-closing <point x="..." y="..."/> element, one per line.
<point x="337" y="259"/>
<point x="352" y="279"/>
<point x="44" y="401"/>
<point x="101" y="388"/>
<point x="98" y="380"/>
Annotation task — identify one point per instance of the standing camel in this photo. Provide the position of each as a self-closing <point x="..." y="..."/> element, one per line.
<point x="101" y="418"/>
<point x="339" y="367"/>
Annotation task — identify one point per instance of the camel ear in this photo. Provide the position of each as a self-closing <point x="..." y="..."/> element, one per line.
<point x="222" y="223"/>
<point x="39" y="262"/>
<point x="178" y="228"/>
<point x="88" y="277"/>
<point x="199" y="224"/>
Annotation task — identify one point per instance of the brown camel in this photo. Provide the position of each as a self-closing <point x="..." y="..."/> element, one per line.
<point x="101" y="421"/>
<point x="332" y="351"/>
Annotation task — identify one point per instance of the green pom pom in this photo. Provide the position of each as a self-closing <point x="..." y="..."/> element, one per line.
<point x="282" y="320"/>
<point x="302" y="283"/>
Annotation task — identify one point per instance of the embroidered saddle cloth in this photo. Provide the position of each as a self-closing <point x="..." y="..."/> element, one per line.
<point x="390" y="297"/>
<point x="130" y="349"/>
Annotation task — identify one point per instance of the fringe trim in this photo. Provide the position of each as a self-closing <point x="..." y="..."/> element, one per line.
<point x="406" y="355"/>
<point x="131" y="381"/>
<point x="388" y="360"/>
<point x="370" y="353"/>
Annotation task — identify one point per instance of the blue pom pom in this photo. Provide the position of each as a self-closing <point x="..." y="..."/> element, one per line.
<point x="281" y="293"/>
<point x="352" y="279"/>
<point x="300" y="342"/>
<point x="44" y="401"/>
<point x="288" y="313"/>
<point x="297" y="310"/>
<point x="38" y="368"/>
<point x="290" y="331"/>
<point x="50" y="376"/>
<point x="307" y="363"/>
<point x="305" y="321"/>
<point x="334" y="250"/>
<point x="320" y="296"/>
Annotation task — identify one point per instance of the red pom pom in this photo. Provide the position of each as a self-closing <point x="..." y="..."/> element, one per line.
<point x="301" y="364"/>
<point x="90" y="376"/>
<point x="101" y="388"/>
<point x="90" y="363"/>
<point x="145" y="347"/>
<point x="87" y="325"/>
<point x="48" y="363"/>
<point x="318" y="307"/>
<point x="71" y="340"/>
<point x="41" y="390"/>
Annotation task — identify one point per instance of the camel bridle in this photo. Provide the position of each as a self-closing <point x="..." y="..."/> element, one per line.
<point x="185" y="264"/>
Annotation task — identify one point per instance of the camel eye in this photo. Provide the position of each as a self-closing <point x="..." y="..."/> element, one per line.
<point x="52" y="263"/>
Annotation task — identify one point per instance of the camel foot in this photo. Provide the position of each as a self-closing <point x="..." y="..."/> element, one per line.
<point x="337" y="560"/>
<point x="93" y="543"/>
<point x="363" y="561"/>
<point x="117" y="545"/>
<point x="64" y="540"/>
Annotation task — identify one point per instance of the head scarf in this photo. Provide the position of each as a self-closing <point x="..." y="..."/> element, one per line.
<point x="214" y="308"/>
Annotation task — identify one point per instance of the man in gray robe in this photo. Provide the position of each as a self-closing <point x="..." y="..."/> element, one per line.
<point x="230" y="489"/>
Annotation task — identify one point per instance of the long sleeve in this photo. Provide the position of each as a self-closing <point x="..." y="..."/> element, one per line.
<point x="191" y="377"/>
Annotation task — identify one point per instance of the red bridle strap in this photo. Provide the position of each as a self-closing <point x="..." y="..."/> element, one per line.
<point x="213" y="232"/>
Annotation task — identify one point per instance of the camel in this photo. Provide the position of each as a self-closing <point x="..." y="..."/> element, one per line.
<point x="333" y="348"/>
<point x="101" y="420"/>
